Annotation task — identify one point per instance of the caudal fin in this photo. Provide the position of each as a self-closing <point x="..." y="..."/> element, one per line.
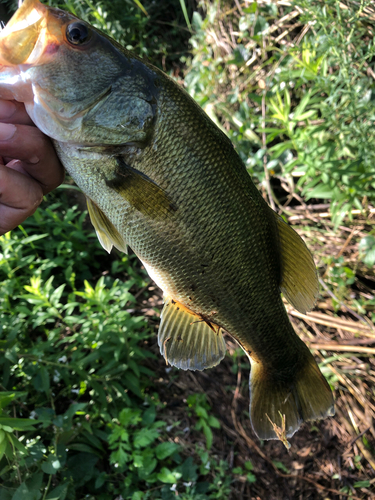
<point x="300" y="397"/>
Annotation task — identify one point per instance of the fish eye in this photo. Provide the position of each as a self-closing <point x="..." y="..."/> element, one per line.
<point x="77" y="33"/>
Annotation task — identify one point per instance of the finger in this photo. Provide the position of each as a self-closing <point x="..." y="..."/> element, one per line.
<point x="19" y="198"/>
<point x="35" y="150"/>
<point x="14" y="112"/>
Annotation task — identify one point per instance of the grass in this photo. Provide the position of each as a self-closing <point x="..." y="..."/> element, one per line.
<point x="294" y="93"/>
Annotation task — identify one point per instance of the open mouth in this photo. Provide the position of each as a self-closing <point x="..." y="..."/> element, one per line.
<point x="19" y="37"/>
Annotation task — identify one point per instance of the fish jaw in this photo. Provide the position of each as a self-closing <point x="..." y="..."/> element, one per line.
<point x="19" y="38"/>
<point x="24" y="43"/>
<point x="17" y="42"/>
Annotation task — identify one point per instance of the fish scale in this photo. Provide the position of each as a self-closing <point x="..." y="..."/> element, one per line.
<point x="212" y="178"/>
<point x="160" y="177"/>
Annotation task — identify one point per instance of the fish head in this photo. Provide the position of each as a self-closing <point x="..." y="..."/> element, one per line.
<point x="71" y="78"/>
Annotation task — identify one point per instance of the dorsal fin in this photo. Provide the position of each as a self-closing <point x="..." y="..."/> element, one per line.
<point x="299" y="281"/>
<point x="186" y="340"/>
<point x="106" y="232"/>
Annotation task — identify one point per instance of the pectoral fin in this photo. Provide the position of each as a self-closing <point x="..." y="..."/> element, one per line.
<point x="188" y="342"/>
<point x="299" y="281"/>
<point x="105" y="230"/>
<point x="141" y="192"/>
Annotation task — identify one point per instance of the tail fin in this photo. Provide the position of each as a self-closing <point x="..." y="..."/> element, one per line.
<point x="303" y="396"/>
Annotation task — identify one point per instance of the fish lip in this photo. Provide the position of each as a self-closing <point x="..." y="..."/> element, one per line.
<point x="20" y="36"/>
<point x="29" y="13"/>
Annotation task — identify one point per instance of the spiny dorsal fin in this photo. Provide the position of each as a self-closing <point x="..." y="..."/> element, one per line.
<point x="299" y="280"/>
<point x="106" y="232"/>
<point x="141" y="192"/>
<point x="188" y="342"/>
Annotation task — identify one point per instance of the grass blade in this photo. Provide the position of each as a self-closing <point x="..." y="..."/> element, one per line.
<point x="138" y="4"/>
<point x="184" y="10"/>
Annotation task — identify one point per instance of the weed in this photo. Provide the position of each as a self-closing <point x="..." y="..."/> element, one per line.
<point x="206" y="422"/>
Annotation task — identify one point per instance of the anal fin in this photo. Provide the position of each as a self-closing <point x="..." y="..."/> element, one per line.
<point x="187" y="341"/>
<point x="106" y="232"/>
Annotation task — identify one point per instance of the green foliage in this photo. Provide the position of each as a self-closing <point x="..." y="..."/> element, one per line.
<point x="248" y="471"/>
<point x="70" y="353"/>
<point x="318" y="95"/>
<point x="367" y="250"/>
<point x="206" y="422"/>
<point x="78" y="413"/>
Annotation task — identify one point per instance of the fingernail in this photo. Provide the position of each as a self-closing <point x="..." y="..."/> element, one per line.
<point x="7" y="131"/>
<point x="7" y="109"/>
<point x="33" y="159"/>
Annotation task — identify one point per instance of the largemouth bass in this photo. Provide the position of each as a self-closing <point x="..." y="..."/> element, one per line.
<point x="160" y="177"/>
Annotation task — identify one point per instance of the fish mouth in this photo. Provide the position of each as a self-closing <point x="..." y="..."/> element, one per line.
<point x="20" y="36"/>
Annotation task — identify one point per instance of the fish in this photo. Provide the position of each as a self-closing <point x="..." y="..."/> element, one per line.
<point x="161" y="178"/>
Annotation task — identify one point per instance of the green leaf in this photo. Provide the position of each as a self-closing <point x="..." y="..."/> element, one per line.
<point x="149" y="416"/>
<point x="201" y="412"/>
<point x="208" y="434"/>
<point x="51" y="465"/>
<point x="137" y="495"/>
<point x="144" y="437"/>
<point x="81" y="467"/>
<point x="280" y="466"/>
<point x="367" y="250"/>
<point x="23" y="493"/>
<point x="248" y="465"/>
<point x="148" y="466"/>
<point x="58" y="493"/>
<point x="362" y="484"/>
<point x="119" y="456"/>
<point x="34" y="237"/>
<point x="213" y="422"/>
<point x="305" y="116"/>
<point x="129" y="416"/>
<point x="41" y="381"/>
<point x="7" y="397"/>
<point x="73" y="409"/>
<point x="3" y="447"/>
<point x="100" y="480"/>
<point x="251" y="9"/>
<point x="164" y="450"/>
<point x="184" y="11"/>
<point x="167" y="476"/>
<point x="132" y="382"/>
<point x="35" y="481"/>
<point x="84" y="448"/>
<point x="237" y="470"/>
<point x="251" y="477"/>
<point x="18" y="424"/>
<point x="321" y="191"/>
<point x="189" y="470"/>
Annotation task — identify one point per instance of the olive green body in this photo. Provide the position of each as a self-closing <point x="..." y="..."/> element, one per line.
<point x="217" y="252"/>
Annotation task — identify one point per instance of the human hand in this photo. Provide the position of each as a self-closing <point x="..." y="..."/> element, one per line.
<point x="29" y="166"/>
